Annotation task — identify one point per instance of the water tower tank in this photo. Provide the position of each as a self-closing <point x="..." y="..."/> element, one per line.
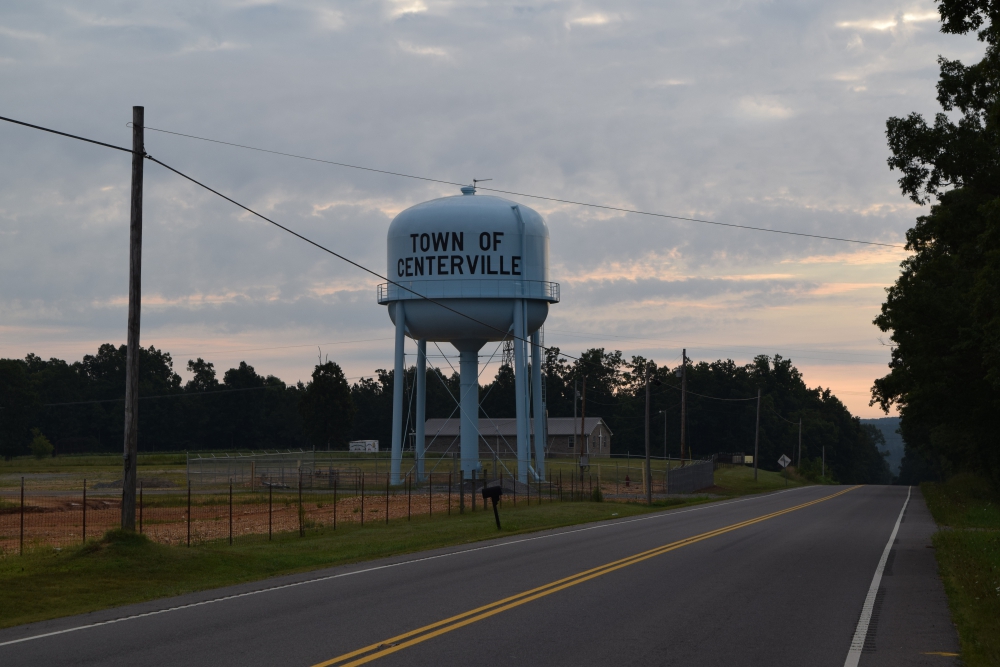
<point x="466" y="270"/>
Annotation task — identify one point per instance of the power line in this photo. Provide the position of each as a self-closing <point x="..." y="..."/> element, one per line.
<point x="524" y="194"/>
<point x="364" y="268"/>
<point x="714" y="398"/>
<point x="719" y="347"/>
<point x="282" y="347"/>
<point x="65" y="134"/>
<point x="782" y="418"/>
<point x="310" y="159"/>
<point x="290" y="231"/>
<point x="178" y="395"/>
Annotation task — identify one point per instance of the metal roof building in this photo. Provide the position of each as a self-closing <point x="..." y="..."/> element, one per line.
<point x="500" y="436"/>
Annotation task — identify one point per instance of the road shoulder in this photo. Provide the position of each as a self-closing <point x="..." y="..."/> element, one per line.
<point x="912" y="624"/>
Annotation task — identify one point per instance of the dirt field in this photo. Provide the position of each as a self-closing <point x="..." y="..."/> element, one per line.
<point x="53" y="518"/>
<point x="58" y="521"/>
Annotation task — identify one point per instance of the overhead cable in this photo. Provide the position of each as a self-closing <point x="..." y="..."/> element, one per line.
<point x="604" y="207"/>
<point x="290" y="231"/>
<point x="348" y="260"/>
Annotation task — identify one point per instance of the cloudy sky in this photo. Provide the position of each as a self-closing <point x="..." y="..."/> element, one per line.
<point x="769" y="114"/>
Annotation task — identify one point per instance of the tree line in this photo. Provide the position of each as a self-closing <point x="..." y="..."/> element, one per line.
<point x="79" y="407"/>
<point x="943" y="312"/>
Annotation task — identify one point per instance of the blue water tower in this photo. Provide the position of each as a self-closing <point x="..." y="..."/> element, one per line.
<point x="467" y="270"/>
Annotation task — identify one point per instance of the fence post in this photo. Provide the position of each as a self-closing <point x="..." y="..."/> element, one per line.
<point x="335" y="504"/>
<point x="362" y="498"/>
<point x="230" y="512"/>
<point x="302" y="528"/>
<point x="387" y="477"/>
<point x="449" y="494"/>
<point x="270" y="496"/>
<point x="560" y="485"/>
<point x="513" y="483"/>
<point x="140" y="508"/>
<point x="189" y="514"/>
<point x="21" y="543"/>
<point x="409" y="496"/>
<point x="430" y="494"/>
<point x="84" y="511"/>
<point x="472" y="493"/>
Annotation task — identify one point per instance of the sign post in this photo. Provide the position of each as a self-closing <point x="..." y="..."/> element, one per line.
<point x="783" y="462"/>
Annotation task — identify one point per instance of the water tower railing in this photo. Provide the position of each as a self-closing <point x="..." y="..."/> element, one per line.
<point x="470" y="289"/>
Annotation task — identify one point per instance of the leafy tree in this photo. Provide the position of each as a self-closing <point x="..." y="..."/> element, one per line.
<point x="943" y="312"/>
<point x="498" y="399"/>
<point x="40" y="446"/>
<point x="204" y="376"/>
<point x="327" y="407"/>
<point x="254" y="412"/>
<point x="18" y="402"/>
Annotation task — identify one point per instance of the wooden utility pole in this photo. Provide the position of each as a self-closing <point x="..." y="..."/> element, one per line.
<point x="756" y="437"/>
<point x="684" y="386"/>
<point x="648" y="477"/>
<point x="799" y="464"/>
<point x="576" y="396"/>
<point x="583" y="423"/>
<point x="134" y="298"/>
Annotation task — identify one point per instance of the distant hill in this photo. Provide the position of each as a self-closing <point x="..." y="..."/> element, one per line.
<point x="893" y="440"/>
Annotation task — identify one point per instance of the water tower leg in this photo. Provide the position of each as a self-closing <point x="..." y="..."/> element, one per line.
<point x="397" y="393"/>
<point x="421" y="405"/>
<point x="521" y="392"/>
<point x="469" y="377"/>
<point x="536" y="400"/>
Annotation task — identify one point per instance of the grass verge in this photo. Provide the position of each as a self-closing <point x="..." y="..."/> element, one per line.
<point x="739" y="481"/>
<point x="968" y="555"/>
<point x="123" y="568"/>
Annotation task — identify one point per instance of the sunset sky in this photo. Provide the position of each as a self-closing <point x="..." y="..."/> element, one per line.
<point x="770" y="114"/>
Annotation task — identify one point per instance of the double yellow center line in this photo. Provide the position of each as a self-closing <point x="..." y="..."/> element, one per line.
<point x="399" y="642"/>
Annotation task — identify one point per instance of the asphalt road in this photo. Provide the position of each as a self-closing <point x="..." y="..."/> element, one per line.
<point x="767" y="580"/>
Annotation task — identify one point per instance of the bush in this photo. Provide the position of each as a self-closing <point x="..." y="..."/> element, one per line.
<point x="40" y="445"/>
<point x="596" y="495"/>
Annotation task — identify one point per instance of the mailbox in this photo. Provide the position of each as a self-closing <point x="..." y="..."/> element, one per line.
<point x="493" y="493"/>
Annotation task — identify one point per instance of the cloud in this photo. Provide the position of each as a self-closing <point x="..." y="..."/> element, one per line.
<point x="763" y="108"/>
<point x="330" y="19"/>
<point x="403" y="7"/>
<point x="21" y="34"/>
<point x="884" y="24"/>
<point x="747" y="114"/>
<point x="592" y="20"/>
<point x="435" y="51"/>
<point x="208" y="45"/>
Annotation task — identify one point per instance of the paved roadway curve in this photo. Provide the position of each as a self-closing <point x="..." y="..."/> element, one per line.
<point x="785" y="590"/>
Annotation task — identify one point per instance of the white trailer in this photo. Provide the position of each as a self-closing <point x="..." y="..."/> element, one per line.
<point x="363" y="445"/>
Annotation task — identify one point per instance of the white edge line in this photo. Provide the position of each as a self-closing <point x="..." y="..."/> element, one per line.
<point x="858" y="643"/>
<point x="604" y="524"/>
